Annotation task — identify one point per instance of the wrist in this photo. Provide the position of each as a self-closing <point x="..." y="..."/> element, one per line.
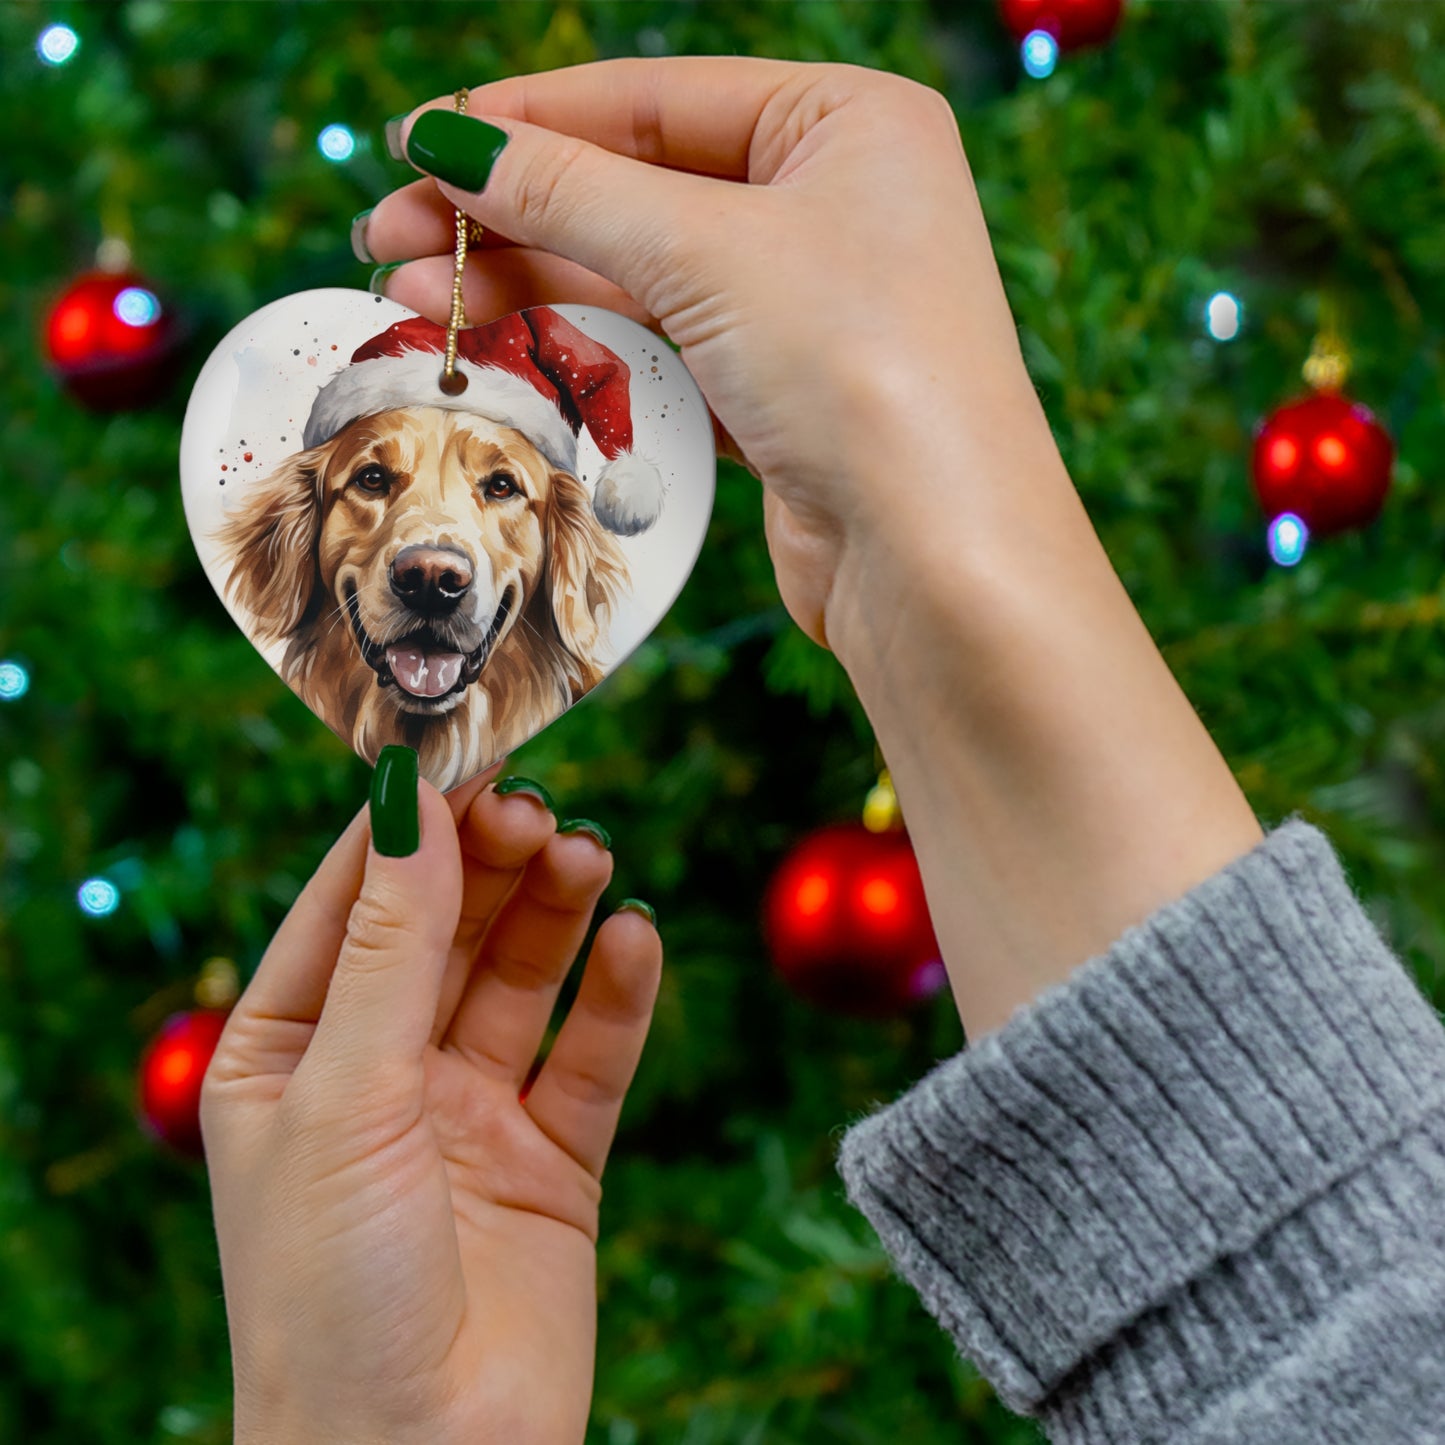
<point x="1057" y="784"/>
<point x="945" y="530"/>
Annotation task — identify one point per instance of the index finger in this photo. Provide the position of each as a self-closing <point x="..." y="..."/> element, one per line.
<point x="689" y="113"/>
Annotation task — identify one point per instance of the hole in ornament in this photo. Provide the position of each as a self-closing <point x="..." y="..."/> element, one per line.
<point x="453" y="385"/>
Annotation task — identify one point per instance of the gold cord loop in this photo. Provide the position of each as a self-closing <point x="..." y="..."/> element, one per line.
<point x="452" y="381"/>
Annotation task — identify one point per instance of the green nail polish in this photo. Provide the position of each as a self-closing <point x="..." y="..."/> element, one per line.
<point x="586" y="825"/>
<point x="636" y="905"/>
<point x="455" y="148"/>
<point x="395" y="826"/>
<point x="392" y="132"/>
<point x="359" y="248"/>
<point x="509" y="786"/>
<point x="377" y="284"/>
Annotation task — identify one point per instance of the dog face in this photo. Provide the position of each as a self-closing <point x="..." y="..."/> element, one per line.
<point x="432" y="541"/>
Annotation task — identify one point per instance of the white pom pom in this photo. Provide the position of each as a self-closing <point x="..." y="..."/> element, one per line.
<point x="628" y="497"/>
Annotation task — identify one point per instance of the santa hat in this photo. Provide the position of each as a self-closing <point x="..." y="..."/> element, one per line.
<point x="532" y="371"/>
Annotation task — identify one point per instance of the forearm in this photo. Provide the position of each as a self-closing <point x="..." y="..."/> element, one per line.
<point x="1057" y="784"/>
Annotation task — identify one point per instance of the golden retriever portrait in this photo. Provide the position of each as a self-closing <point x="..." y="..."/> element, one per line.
<point x="434" y="580"/>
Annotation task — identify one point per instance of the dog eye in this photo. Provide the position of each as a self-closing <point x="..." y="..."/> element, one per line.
<point x="373" y="479"/>
<point x="499" y="486"/>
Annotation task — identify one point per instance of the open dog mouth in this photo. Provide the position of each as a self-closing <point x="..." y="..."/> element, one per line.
<point x="422" y="664"/>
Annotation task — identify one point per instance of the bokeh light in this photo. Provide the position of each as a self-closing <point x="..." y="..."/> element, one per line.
<point x="1223" y="316"/>
<point x="137" y="307"/>
<point x="336" y="143"/>
<point x="57" y="44"/>
<point x="1040" y="52"/>
<point x="14" y="681"/>
<point x="813" y="894"/>
<point x="1288" y="538"/>
<point x="98" y="897"/>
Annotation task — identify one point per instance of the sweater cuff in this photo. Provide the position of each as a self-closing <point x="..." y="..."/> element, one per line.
<point x="1113" y="1149"/>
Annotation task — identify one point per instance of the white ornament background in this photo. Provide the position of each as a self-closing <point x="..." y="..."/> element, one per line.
<point x="252" y="398"/>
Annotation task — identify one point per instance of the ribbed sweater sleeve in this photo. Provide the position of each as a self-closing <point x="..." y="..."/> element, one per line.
<point x="1196" y="1192"/>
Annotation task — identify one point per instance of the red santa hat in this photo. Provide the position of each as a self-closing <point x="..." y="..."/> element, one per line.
<point x="532" y="371"/>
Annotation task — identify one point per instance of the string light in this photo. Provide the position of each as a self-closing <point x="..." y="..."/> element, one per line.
<point x="336" y="143"/>
<point x="1288" y="538"/>
<point x="57" y="44"/>
<point x="136" y="306"/>
<point x="1040" y="52"/>
<point x="98" y="897"/>
<point x="14" y="681"/>
<point x="1223" y="316"/>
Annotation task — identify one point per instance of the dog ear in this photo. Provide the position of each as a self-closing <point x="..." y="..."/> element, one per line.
<point x="586" y="574"/>
<point x="271" y="542"/>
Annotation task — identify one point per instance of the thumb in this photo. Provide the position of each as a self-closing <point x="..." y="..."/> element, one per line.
<point x="382" y="1000"/>
<point x="637" y="225"/>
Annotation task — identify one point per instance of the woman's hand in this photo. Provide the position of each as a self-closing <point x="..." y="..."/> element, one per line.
<point x="407" y="1247"/>
<point x="808" y="235"/>
<point x="811" y="238"/>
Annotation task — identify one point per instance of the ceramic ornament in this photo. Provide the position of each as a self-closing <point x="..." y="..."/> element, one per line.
<point x="450" y="572"/>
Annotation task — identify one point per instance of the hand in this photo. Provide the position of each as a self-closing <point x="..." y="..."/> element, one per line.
<point x="836" y="309"/>
<point x="408" y="1249"/>
<point x="843" y="313"/>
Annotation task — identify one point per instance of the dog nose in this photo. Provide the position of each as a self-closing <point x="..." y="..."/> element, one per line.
<point x="430" y="579"/>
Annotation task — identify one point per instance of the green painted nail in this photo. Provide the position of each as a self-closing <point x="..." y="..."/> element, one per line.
<point x="586" y="825"/>
<point x="377" y="285"/>
<point x="509" y="786"/>
<point x="395" y="826"/>
<point x="359" y="248"/>
<point x="636" y="905"/>
<point x="455" y="148"/>
<point x="392" y="132"/>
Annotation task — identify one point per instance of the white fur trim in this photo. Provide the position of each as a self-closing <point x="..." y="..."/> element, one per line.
<point x="387" y="382"/>
<point x="628" y="495"/>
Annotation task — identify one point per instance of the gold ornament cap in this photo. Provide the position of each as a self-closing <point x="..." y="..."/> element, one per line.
<point x="881" y="813"/>
<point x="219" y="985"/>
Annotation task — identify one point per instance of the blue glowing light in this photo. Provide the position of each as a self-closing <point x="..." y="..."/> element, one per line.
<point x="336" y="143"/>
<point x="137" y="307"/>
<point x="98" y="897"/>
<point x="14" y="681"/>
<point x="57" y="44"/>
<point x="1223" y="316"/>
<point x="1288" y="538"/>
<point x="1040" y="52"/>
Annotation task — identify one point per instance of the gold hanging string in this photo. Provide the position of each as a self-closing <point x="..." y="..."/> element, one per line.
<point x="452" y="381"/>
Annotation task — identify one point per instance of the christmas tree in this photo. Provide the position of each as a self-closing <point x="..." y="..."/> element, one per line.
<point x="163" y="795"/>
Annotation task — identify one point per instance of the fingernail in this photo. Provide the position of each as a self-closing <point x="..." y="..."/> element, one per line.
<point x="455" y="148"/>
<point x="636" y="905"/>
<point x="509" y="786"/>
<point x="393" y="136"/>
<point x="359" y="248"/>
<point x="586" y="825"/>
<point x="395" y="827"/>
<point x="377" y="284"/>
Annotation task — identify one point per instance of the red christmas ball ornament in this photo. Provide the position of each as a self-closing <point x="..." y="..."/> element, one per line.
<point x="847" y="923"/>
<point x="1326" y="459"/>
<point x="1073" y="23"/>
<point x="111" y="341"/>
<point x="171" y="1071"/>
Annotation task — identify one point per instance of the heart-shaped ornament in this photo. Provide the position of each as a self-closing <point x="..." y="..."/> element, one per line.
<point x="449" y="570"/>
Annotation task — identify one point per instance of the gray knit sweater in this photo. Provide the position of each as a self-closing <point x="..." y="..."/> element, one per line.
<point x="1197" y="1192"/>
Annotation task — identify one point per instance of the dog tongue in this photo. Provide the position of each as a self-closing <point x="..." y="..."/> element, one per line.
<point x="424" y="674"/>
